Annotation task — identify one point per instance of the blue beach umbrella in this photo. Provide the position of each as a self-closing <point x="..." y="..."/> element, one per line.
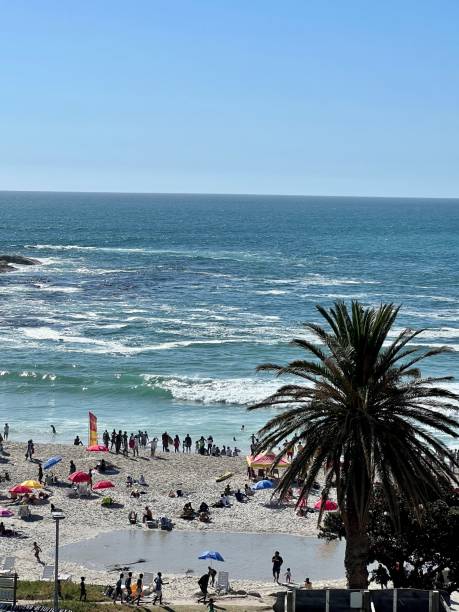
<point x="51" y="461"/>
<point x="211" y="554"/>
<point x="262" y="484"/>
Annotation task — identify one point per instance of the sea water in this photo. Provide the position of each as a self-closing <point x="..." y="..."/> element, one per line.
<point x="153" y="311"/>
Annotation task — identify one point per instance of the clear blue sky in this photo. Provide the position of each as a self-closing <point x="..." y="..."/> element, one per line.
<point x="256" y="96"/>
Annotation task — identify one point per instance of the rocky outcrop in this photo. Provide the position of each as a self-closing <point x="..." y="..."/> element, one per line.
<point x="7" y="260"/>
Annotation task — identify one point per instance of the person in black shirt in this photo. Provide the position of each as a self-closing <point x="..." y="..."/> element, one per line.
<point x="127" y="584"/>
<point x="203" y="585"/>
<point x="277" y="564"/>
<point x="119" y="589"/>
<point x="82" y="589"/>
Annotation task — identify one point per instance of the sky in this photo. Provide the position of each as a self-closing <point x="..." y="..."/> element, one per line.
<point x="259" y="96"/>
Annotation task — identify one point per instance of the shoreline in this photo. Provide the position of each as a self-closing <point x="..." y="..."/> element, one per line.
<point x="86" y="519"/>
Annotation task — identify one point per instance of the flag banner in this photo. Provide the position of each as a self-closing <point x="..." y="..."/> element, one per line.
<point x="92" y="429"/>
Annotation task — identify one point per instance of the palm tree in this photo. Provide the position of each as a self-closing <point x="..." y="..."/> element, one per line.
<point x="366" y="416"/>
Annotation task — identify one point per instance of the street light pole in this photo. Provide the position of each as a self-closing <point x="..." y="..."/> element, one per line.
<point x="57" y="516"/>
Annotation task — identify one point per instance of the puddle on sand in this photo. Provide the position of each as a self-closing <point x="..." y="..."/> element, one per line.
<point x="247" y="555"/>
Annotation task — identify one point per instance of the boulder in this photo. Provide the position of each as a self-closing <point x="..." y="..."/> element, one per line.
<point x="19" y="259"/>
<point x="253" y="593"/>
<point x="7" y="260"/>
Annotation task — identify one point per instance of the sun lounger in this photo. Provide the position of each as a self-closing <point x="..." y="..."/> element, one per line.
<point x="48" y="573"/>
<point x="148" y="579"/>
<point x="222" y="585"/>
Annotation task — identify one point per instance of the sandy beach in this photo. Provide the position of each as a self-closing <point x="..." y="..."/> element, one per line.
<point x="194" y="474"/>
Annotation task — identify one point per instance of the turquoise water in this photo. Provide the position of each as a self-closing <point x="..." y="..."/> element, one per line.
<point x="153" y="311"/>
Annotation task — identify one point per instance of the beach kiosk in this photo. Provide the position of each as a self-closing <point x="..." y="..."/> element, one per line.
<point x="262" y="465"/>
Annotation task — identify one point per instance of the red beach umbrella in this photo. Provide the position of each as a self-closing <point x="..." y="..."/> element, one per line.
<point x="326" y="505"/>
<point x="79" y="477"/>
<point x="20" y="489"/>
<point x="104" y="484"/>
<point x="97" y="448"/>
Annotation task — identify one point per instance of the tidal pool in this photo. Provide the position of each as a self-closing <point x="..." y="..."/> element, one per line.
<point x="247" y="555"/>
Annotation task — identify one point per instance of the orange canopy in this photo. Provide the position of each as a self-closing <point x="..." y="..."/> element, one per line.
<point x="265" y="461"/>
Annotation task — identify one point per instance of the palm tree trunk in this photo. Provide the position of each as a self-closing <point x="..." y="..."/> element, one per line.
<point x="356" y="555"/>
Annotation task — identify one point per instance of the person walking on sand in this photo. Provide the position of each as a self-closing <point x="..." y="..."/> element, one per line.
<point x="40" y="473"/>
<point x="6" y="431"/>
<point x="82" y="589"/>
<point x="139" y="589"/>
<point x="36" y="552"/>
<point x="277" y="564"/>
<point x="128" y="587"/>
<point x="118" y="589"/>
<point x="159" y="589"/>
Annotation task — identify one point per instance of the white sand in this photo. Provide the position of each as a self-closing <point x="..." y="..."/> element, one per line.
<point x="85" y="518"/>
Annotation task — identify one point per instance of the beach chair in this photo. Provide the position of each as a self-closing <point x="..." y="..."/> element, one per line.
<point x="48" y="573"/>
<point x="84" y="490"/>
<point x="148" y="580"/>
<point x="222" y="585"/>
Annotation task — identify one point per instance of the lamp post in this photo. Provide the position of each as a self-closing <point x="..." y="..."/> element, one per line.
<point x="57" y="517"/>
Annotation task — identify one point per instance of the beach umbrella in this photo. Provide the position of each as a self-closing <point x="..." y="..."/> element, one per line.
<point x="51" y="461"/>
<point x="6" y="512"/>
<point x="326" y="505"/>
<point x="97" y="448"/>
<point x="104" y="484"/>
<point x="79" y="477"/>
<point x="211" y="554"/>
<point x="32" y="484"/>
<point x="262" y="484"/>
<point x="20" y="489"/>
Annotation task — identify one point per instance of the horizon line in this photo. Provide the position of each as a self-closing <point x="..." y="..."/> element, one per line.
<point x="241" y="194"/>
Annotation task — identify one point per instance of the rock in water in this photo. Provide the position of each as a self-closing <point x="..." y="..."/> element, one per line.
<point x="6" y="260"/>
<point x="19" y="259"/>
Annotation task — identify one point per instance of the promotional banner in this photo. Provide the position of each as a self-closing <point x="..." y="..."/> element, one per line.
<point x="92" y="429"/>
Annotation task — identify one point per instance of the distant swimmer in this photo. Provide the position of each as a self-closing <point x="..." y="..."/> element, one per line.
<point x="242" y="428"/>
<point x="53" y="429"/>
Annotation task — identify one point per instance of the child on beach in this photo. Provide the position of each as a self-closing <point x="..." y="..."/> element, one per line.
<point x="36" y="552"/>
<point x="288" y="576"/>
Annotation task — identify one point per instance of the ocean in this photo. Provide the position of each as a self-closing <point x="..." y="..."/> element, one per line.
<point x="153" y="311"/>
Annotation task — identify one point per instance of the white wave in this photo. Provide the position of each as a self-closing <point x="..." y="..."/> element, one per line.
<point x="28" y="373"/>
<point x="48" y="376"/>
<point x="40" y="333"/>
<point x="241" y="391"/>
<point x="60" y="289"/>
<point x="271" y="292"/>
<point x="111" y="325"/>
<point x="4" y="372"/>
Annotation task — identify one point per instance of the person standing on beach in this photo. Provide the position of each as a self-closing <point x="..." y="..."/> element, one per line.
<point x="139" y="589"/>
<point x="53" y="430"/>
<point x="277" y="564"/>
<point x="40" y="473"/>
<point x="159" y="589"/>
<point x="153" y="446"/>
<point x="176" y="444"/>
<point x="119" y="589"/>
<point x="165" y="441"/>
<point x="106" y="438"/>
<point x="203" y="583"/>
<point x="113" y="440"/>
<point x="6" y="431"/>
<point x="188" y="443"/>
<point x="72" y="467"/>
<point x="36" y="552"/>
<point x="82" y="589"/>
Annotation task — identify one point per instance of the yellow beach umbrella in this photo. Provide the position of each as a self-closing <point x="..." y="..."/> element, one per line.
<point x="32" y="484"/>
